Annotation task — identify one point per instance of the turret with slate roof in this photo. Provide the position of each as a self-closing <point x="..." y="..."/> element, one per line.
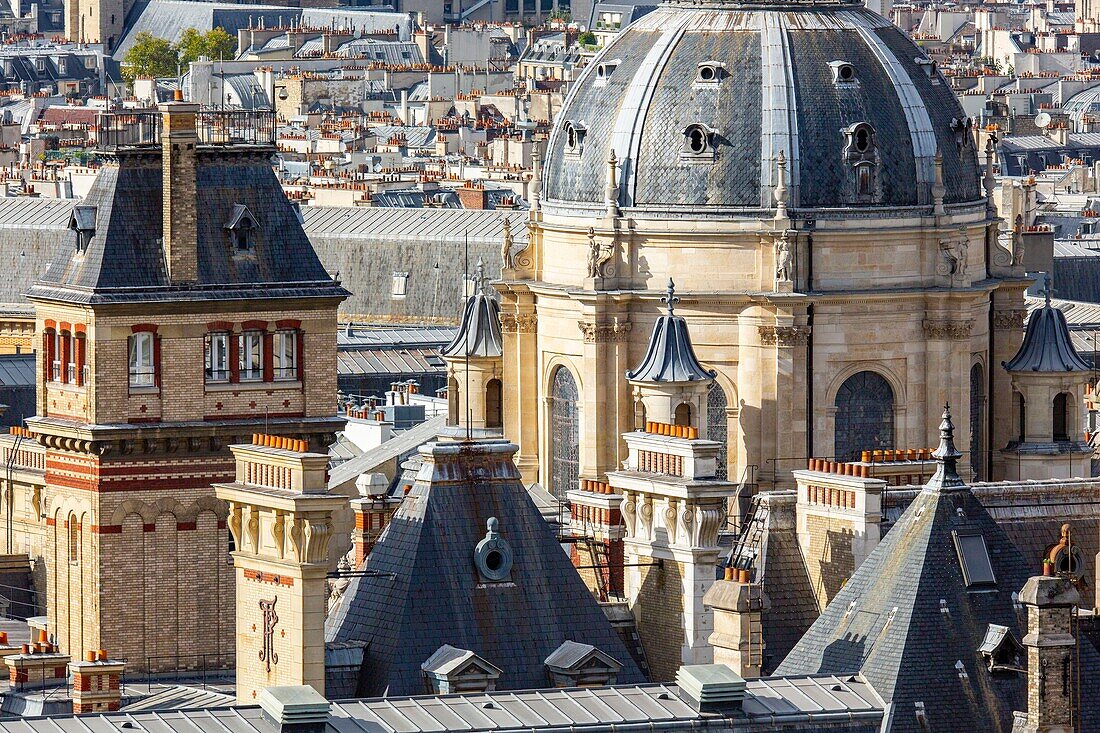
<point x="913" y="617"/>
<point x="1048" y="382"/>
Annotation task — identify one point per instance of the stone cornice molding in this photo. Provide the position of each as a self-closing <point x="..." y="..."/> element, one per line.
<point x="783" y="335"/>
<point x="947" y="330"/>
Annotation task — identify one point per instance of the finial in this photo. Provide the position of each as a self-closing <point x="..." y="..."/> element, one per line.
<point x="1046" y="287"/>
<point x="780" y="192"/>
<point x="479" y="276"/>
<point x="947" y="456"/>
<point x="611" y="191"/>
<point x="670" y="298"/>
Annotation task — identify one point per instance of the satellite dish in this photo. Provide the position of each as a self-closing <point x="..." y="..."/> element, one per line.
<point x="1042" y="120"/>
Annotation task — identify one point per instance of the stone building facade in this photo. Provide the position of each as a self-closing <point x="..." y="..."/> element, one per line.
<point x="806" y="176"/>
<point x="151" y="362"/>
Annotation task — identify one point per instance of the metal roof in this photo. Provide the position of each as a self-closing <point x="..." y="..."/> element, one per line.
<point x="388" y="361"/>
<point x="17" y="370"/>
<point x="31" y="212"/>
<point x="353" y="335"/>
<point x="413" y="225"/>
<point x="395" y="447"/>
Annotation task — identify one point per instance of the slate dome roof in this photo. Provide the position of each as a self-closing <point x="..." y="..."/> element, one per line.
<point x="698" y="102"/>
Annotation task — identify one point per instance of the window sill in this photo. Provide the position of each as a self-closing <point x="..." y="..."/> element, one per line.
<point x="144" y="390"/>
<point x="251" y="386"/>
<point x="66" y="386"/>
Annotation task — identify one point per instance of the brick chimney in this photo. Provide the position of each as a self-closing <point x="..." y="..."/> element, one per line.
<point x="179" y="143"/>
<point x="38" y="666"/>
<point x="96" y="683"/>
<point x="1051" y="655"/>
<point x="473" y="196"/>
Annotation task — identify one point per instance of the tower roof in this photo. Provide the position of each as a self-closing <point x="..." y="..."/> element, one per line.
<point x="479" y="333"/>
<point x="1047" y="346"/>
<point x="670" y="356"/>
<point x="425" y="585"/>
<point x="123" y="258"/>
<point x="912" y="617"/>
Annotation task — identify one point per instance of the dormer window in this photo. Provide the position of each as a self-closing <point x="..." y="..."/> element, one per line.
<point x="843" y="72"/>
<point x="574" y="137"/>
<point x="710" y="72"/>
<point x="241" y="227"/>
<point x="83" y="223"/>
<point x="698" y="143"/>
<point x="400" y="284"/>
<point x="927" y="65"/>
<point x="605" y="70"/>
<point x="861" y="154"/>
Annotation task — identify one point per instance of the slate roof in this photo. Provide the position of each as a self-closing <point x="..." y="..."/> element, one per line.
<point x="424" y="589"/>
<point x="1047" y="346"/>
<point x="777" y="95"/>
<point x="124" y="260"/>
<point x="906" y="617"/>
<point x="670" y="356"/>
<point x="479" y="333"/>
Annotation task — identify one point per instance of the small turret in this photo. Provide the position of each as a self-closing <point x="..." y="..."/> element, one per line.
<point x="475" y="362"/>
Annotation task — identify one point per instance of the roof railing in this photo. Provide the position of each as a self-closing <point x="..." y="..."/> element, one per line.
<point x="130" y="129"/>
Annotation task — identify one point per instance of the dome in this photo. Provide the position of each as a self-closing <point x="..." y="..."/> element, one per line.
<point x="699" y="103"/>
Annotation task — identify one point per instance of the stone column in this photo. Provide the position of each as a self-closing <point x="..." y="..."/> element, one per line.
<point x="522" y="376"/>
<point x="1008" y="325"/>
<point x="787" y="380"/>
<point x="1051" y="655"/>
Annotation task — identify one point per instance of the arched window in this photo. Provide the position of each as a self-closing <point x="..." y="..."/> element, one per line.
<point x="717" y="425"/>
<point x="1061" y="416"/>
<point x="683" y="414"/>
<point x="1021" y="414"/>
<point x="564" y="433"/>
<point x="977" y="420"/>
<point x="493" y="404"/>
<point x="74" y="539"/>
<point x="864" y="416"/>
<point x="452" y="401"/>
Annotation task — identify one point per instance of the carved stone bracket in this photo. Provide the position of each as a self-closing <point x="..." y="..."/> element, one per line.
<point x="595" y="333"/>
<point x="783" y="335"/>
<point x="947" y="330"/>
<point x="1006" y="320"/>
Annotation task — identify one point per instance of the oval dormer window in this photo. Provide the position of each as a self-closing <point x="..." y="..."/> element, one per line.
<point x="843" y="72"/>
<point x="861" y="139"/>
<point x="697" y="139"/>
<point x="709" y="72"/>
<point x="574" y="138"/>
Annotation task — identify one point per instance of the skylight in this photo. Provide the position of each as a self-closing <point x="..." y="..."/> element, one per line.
<point x="974" y="559"/>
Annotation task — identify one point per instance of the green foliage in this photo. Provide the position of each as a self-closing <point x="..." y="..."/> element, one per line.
<point x="149" y="56"/>
<point x="214" y="44"/>
<point x="588" y="38"/>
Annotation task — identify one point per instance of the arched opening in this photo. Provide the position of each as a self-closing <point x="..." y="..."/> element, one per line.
<point x="640" y="416"/>
<point x="1061" y="416"/>
<point x="977" y="420"/>
<point x="718" y="426"/>
<point x="683" y="414"/>
<point x="564" y="433"/>
<point x="1020" y="411"/>
<point x="452" y="401"/>
<point x="494" y="410"/>
<point x="864" y="416"/>
<point x="74" y="539"/>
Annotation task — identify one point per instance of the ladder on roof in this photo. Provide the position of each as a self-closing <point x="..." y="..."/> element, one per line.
<point x="747" y="547"/>
<point x="600" y="562"/>
<point x="756" y="632"/>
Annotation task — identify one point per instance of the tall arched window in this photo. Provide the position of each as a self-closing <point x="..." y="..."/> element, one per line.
<point x="564" y="433"/>
<point x="977" y="420"/>
<point x="1061" y="416"/>
<point x="717" y="425"/>
<point x="864" y="416"/>
<point x="494" y="417"/>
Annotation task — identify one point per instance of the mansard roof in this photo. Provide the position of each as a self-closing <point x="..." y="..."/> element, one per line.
<point x="124" y="259"/>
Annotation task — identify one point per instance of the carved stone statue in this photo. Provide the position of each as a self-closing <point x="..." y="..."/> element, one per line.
<point x="506" y="246"/>
<point x="784" y="259"/>
<point x="598" y="254"/>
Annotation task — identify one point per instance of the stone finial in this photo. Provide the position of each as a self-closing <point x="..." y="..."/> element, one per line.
<point x="479" y="277"/>
<point x="947" y="456"/>
<point x="611" y="191"/>
<point x="535" y="187"/>
<point x="989" y="180"/>
<point x="780" y="192"/>
<point x="938" y="189"/>
<point x="670" y="299"/>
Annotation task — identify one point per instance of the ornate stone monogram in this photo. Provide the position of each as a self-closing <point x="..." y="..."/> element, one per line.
<point x="596" y="333"/>
<point x="950" y="330"/>
<point x="783" y="335"/>
<point x="267" y="653"/>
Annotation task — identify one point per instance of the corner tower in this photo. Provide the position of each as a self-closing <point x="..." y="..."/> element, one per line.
<point x="186" y="312"/>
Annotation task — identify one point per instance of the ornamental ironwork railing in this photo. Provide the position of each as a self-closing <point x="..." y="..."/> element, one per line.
<point x="120" y="130"/>
<point x="142" y="129"/>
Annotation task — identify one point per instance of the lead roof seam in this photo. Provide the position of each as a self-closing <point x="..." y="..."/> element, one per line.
<point x="916" y="114"/>
<point x="626" y="138"/>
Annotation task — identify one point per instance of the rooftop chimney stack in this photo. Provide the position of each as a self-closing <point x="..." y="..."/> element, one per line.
<point x="179" y="140"/>
<point x="1051" y="655"/>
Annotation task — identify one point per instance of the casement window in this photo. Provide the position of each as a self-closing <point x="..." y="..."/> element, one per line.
<point x="217" y="356"/>
<point x="57" y="352"/>
<point x="251" y="356"/>
<point x="285" y="354"/>
<point x="142" y="361"/>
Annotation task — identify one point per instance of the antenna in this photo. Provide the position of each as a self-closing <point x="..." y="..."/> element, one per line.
<point x="466" y="275"/>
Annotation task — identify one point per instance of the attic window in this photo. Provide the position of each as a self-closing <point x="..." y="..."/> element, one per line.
<point x="493" y="555"/>
<point x="574" y="137"/>
<point x="605" y="70"/>
<point x="1001" y="650"/>
<point x="241" y="228"/>
<point x="974" y="559"/>
<point x="843" y="72"/>
<point x="83" y="223"/>
<point x="242" y="236"/>
<point x="400" y="284"/>
<point x="698" y="143"/>
<point x="710" y="72"/>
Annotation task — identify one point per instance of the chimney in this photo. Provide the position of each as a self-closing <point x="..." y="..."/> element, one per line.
<point x="738" y="638"/>
<point x="96" y="683"/>
<point x="711" y="688"/>
<point x="1051" y="654"/>
<point x="294" y="709"/>
<point x="179" y="141"/>
<point x="372" y="513"/>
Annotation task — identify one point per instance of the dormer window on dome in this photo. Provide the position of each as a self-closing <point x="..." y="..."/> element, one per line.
<point x="574" y="137"/>
<point x="241" y="227"/>
<point x="83" y="223"/>
<point x="860" y="152"/>
<point x="605" y="70"/>
<point x="710" y="72"/>
<point x="699" y="143"/>
<point x="843" y="73"/>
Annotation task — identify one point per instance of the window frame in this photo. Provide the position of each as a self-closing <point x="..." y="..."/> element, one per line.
<point x="980" y="583"/>
<point x="210" y="375"/>
<point x="245" y="371"/>
<point x="141" y="349"/>
<point x="284" y="341"/>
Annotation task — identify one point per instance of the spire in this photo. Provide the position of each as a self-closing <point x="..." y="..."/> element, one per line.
<point x="479" y="333"/>
<point x="947" y="457"/>
<point x="670" y="298"/>
<point x="1046" y="288"/>
<point x="1047" y="345"/>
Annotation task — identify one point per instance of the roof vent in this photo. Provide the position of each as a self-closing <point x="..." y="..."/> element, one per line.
<point x="711" y="688"/>
<point x="295" y="709"/>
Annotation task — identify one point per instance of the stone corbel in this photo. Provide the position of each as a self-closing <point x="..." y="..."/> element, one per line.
<point x="629" y="511"/>
<point x="278" y="533"/>
<point x="670" y="521"/>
